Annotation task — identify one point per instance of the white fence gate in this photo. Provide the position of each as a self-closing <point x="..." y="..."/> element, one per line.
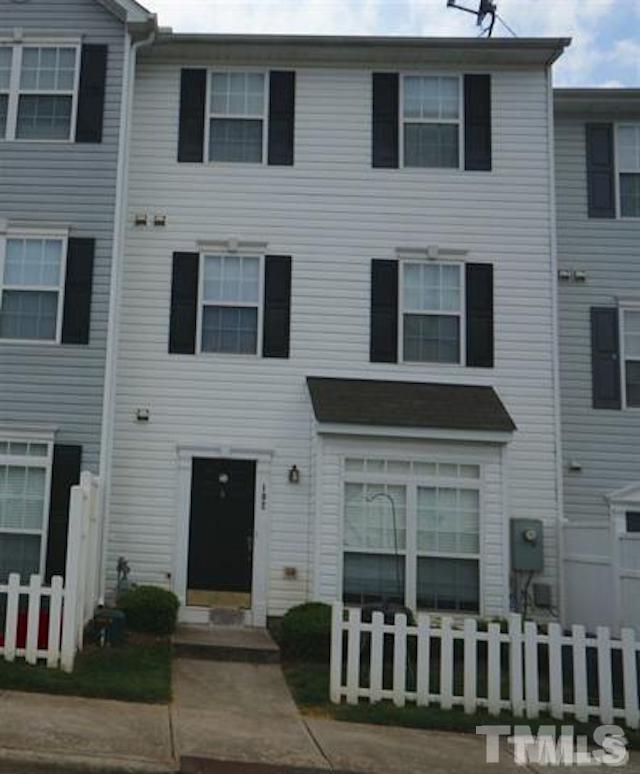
<point x="53" y="631"/>
<point x="524" y="670"/>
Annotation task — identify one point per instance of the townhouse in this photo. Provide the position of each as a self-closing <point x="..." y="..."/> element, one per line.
<point x="598" y="194"/>
<point x="335" y="368"/>
<point x="63" y="84"/>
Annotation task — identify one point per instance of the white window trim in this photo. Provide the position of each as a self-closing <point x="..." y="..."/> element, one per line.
<point x="622" y="310"/>
<point x="461" y="314"/>
<point x="410" y="551"/>
<point x="247" y="304"/>
<point x="63" y="236"/>
<point x="459" y="120"/>
<point x="618" y="171"/>
<point x="265" y="117"/>
<point x="15" y="91"/>
<point x="34" y="462"/>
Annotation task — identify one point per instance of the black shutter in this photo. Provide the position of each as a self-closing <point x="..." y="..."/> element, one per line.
<point x="282" y="97"/>
<point x="605" y="358"/>
<point x="477" y="122"/>
<point x="76" y="316"/>
<point x="385" y="150"/>
<point x="193" y="95"/>
<point x="479" y="303"/>
<point x="184" y="303"/>
<point x="91" y="91"/>
<point x="277" y="306"/>
<point x="65" y="474"/>
<point x="600" y="177"/>
<point x="384" y="312"/>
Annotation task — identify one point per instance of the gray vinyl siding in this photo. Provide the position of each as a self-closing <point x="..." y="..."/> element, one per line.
<point x="605" y="443"/>
<point x="70" y="185"/>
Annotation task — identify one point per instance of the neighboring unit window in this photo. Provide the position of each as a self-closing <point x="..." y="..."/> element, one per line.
<point x="628" y="145"/>
<point x="24" y="473"/>
<point x="237" y="117"/>
<point x="6" y="55"/>
<point x="432" y="312"/>
<point x="423" y="524"/>
<point x="431" y="121"/>
<point x="47" y="86"/>
<point x="633" y="522"/>
<point x="374" y="543"/>
<point x="231" y="292"/>
<point x="32" y="288"/>
<point x="631" y="326"/>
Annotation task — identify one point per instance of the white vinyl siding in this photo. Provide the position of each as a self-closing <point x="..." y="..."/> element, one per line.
<point x="237" y="116"/>
<point x="431" y="113"/>
<point x="628" y="167"/>
<point x="38" y="91"/>
<point x="32" y="290"/>
<point x="25" y="477"/>
<point x="432" y="312"/>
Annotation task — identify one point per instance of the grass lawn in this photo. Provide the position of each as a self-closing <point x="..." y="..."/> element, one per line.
<point x="309" y="684"/>
<point x="139" y="670"/>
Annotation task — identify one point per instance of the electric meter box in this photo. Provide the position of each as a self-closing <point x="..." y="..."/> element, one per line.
<point x="527" y="552"/>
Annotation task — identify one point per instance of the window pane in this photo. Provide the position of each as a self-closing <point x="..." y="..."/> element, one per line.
<point x="4" y="103"/>
<point x="6" y="55"/>
<point x="633" y="382"/>
<point x="431" y="145"/>
<point x="432" y="287"/>
<point x="22" y="491"/>
<point x="43" y="117"/>
<point x="630" y="196"/>
<point x="48" y="69"/>
<point x="448" y="520"/>
<point x="431" y="97"/>
<point x="231" y="278"/>
<point x="448" y="584"/>
<point x="431" y="338"/>
<point x="230" y="329"/>
<point x="33" y="262"/>
<point x="237" y="94"/>
<point x="629" y="147"/>
<point x="28" y="315"/>
<point x="373" y="578"/>
<point x="369" y="516"/>
<point x="21" y="554"/>
<point x="235" y="140"/>
<point x="632" y="334"/>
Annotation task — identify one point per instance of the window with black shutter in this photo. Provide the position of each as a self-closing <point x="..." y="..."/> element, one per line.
<point x="605" y="358"/>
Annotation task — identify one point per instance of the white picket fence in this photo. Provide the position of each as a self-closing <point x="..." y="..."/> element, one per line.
<point x="54" y="631"/>
<point x="515" y="667"/>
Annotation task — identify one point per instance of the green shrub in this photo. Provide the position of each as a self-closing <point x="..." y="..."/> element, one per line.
<point x="305" y="634"/>
<point x="150" y="609"/>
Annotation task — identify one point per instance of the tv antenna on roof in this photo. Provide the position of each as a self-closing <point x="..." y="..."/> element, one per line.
<point x="485" y="8"/>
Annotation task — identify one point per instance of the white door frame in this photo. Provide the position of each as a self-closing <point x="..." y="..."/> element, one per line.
<point x="259" y="582"/>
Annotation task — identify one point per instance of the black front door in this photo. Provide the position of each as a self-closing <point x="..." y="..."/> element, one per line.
<point x="221" y="525"/>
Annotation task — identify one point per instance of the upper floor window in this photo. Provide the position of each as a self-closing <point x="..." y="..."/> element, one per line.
<point x="631" y="359"/>
<point x="628" y="157"/>
<point x="633" y="522"/>
<point x="231" y="308"/>
<point x="431" y="114"/>
<point x="38" y="92"/>
<point x="237" y="117"/>
<point x="432" y="312"/>
<point x="32" y="271"/>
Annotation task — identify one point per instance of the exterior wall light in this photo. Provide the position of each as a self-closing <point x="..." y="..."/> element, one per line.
<point x="294" y="475"/>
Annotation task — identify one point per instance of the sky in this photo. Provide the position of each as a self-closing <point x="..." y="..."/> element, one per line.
<point x="606" y="33"/>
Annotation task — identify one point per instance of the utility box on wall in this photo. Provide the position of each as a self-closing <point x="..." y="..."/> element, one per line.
<point x="527" y="551"/>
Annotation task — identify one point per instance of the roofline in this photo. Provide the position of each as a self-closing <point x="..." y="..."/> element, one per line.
<point x="131" y="12"/>
<point x="542" y="51"/>
<point x="620" y="93"/>
<point x="611" y="102"/>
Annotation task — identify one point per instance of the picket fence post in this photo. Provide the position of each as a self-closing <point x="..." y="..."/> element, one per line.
<point x="470" y="665"/>
<point x="376" y="662"/>
<point x="446" y="664"/>
<point x="72" y="578"/>
<point x="335" y="677"/>
<point x="353" y="655"/>
<point x="55" y="616"/>
<point x="11" y="623"/>
<point x="33" y="620"/>
<point x="424" y="660"/>
<point x="516" y="667"/>
<point x="630" y="678"/>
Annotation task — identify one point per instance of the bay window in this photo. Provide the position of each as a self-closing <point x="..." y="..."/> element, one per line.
<point x="25" y="471"/>
<point x="412" y="534"/>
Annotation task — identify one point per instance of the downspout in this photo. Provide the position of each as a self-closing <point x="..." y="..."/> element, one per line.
<point x="553" y="245"/>
<point x="117" y="258"/>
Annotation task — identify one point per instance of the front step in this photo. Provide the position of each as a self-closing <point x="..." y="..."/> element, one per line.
<point x="226" y="643"/>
